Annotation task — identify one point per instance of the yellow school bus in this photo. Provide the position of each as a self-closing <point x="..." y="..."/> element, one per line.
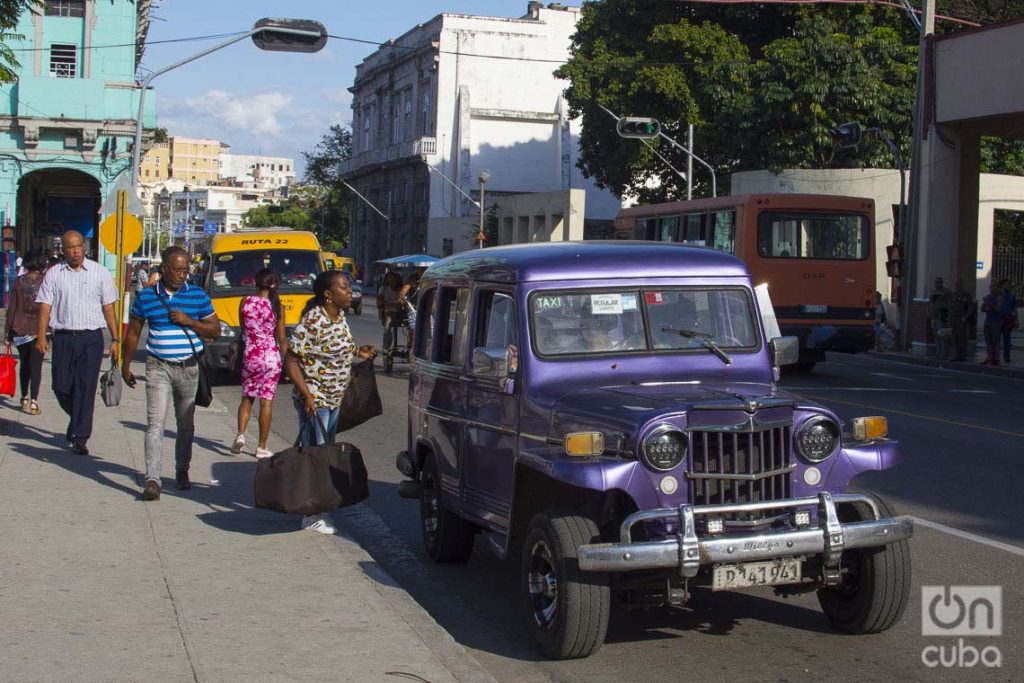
<point x="234" y="260"/>
<point x="334" y="262"/>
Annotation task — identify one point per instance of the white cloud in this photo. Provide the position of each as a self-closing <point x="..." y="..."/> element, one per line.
<point x="257" y="114"/>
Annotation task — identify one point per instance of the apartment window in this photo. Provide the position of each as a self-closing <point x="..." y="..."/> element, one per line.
<point x="63" y="61"/>
<point x="64" y="8"/>
<point x="447" y="246"/>
<point x="425" y="120"/>
<point x="408" y="112"/>
<point x="396" y="122"/>
<point x="367" y="140"/>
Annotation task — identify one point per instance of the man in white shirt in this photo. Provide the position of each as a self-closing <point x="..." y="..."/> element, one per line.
<point x="76" y="300"/>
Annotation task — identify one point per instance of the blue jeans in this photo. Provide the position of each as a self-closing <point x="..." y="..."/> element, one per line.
<point x="310" y="432"/>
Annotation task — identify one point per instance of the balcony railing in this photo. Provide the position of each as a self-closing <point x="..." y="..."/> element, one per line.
<point x="401" y="151"/>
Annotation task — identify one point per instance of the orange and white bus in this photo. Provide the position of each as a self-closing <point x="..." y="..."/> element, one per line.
<point x="815" y="252"/>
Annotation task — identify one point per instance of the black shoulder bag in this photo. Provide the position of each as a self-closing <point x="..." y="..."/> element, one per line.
<point x="204" y="392"/>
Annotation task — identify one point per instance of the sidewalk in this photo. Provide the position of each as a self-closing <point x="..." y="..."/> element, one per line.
<point x="976" y="354"/>
<point x="96" y="585"/>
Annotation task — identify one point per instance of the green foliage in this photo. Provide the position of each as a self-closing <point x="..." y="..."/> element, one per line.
<point x="10" y="10"/>
<point x="160" y="135"/>
<point x="763" y="84"/>
<point x="293" y="215"/>
<point x="327" y="197"/>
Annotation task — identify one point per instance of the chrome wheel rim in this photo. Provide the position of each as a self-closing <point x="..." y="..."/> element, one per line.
<point x="542" y="583"/>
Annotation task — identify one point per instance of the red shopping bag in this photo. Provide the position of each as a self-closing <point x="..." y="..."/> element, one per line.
<point x="8" y="372"/>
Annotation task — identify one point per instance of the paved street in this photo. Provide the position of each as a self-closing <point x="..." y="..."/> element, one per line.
<point x="961" y="436"/>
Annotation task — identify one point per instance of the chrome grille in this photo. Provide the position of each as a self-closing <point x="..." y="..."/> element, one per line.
<point x="740" y="467"/>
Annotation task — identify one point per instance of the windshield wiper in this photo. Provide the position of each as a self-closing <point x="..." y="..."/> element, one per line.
<point x="705" y="339"/>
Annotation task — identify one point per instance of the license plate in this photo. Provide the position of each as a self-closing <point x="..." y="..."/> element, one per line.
<point x="749" y="574"/>
<point x="814" y="308"/>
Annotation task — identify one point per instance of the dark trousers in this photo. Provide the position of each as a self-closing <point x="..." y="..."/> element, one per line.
<point x="31" y="370"/>
<point x="76" y="375"/>
<point x="1007" y="334"/>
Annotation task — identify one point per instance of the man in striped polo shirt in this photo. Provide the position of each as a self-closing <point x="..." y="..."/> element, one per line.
<point x="178" y="314"/>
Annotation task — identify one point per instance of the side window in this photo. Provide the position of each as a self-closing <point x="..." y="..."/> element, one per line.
<point x="724" y="224"/>
<point x="452" y="309"/>
<point x="495" y="322"/>
<point x="425" y="324"/>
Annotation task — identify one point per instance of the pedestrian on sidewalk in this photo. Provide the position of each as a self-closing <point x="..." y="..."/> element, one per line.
<point x="22" y="326"/>
<point x="992" y="307"/>
<point x="961" y="305"/>
<point x="1010" y="321"/>
<point x="76" y="299"/>
<point x="178" y="315"/>
<point x="319" y="364"/>
<point x="261" y="319"/>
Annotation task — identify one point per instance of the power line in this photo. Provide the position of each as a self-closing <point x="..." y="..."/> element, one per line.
<point x="148" y="42"/>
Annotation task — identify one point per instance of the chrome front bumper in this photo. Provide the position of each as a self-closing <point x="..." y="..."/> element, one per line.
<point x="688" y="552"/>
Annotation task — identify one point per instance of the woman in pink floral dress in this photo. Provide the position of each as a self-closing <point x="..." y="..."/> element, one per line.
<point x="261" y="319"/>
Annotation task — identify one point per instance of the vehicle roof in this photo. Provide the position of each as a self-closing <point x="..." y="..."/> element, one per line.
<point x="819" y="202"/>
<point x="592" y="259"/>
<point x="250" y="240"/>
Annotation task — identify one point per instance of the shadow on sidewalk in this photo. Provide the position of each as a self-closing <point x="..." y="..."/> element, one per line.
<point x="217" y="447"/>
<point x="234" y="492"/>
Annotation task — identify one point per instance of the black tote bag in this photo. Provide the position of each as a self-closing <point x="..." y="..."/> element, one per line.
<point x="204" y="390"/>
<point x="362" y="399"/>
<point x="308" y="480"/>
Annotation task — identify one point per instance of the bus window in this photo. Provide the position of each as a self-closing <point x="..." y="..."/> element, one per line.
<point x="812" y="236"/>
<point x="724" y="231"/>
<point x="669" y="225"/>
<point x="693" y="233"/>
<point x="646" y="229"/>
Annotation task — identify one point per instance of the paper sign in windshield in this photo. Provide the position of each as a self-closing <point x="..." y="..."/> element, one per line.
<point x="606" y="304"/>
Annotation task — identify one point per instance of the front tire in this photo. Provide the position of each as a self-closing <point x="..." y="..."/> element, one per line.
<point x="567" y="609"/>
<point x="876" y="581"/>
<point x="446" y="536"/>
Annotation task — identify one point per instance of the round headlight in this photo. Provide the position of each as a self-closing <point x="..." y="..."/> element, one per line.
<point x="226" y="330"/>
<point x="664" y="448"/>
<point x="817" y="438"/>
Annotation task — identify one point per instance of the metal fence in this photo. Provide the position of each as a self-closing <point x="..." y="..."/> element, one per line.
<point x="1008" y="262"/>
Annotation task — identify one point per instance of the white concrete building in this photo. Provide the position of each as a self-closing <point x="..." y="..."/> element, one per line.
<point x="198" y="213"/>
<point x="451" y="98"/>
<point x="260" y="172"/>
<point x="883" y="185"/>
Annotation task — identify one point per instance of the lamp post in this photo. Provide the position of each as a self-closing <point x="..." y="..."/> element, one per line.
<point x="481" y="236"/>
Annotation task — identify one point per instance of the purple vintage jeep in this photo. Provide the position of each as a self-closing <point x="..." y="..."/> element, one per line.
<point x="608" y="412"/>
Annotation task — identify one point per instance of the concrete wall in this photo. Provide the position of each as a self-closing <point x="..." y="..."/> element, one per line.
<point x="980" y="73"/>
<point x="883" y="185"/>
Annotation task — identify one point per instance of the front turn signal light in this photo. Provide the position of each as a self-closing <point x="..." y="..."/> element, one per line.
<point x="584" y="443"/>
<point x="867" y="428"/>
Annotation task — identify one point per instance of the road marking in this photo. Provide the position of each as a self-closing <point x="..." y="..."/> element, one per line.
<point x="908" y="414"/>
<point x="998" y="545"/>
<point x="891" y="390"/>
<point x="892" y="376"/>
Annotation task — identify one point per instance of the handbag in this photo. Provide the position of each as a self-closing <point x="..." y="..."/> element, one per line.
<point x="204" y="391"/>
<point x="8" y="372"/>
<point x="308" y="480"/>
<point x="362" y="399"/>
<point x="110" y="385"/>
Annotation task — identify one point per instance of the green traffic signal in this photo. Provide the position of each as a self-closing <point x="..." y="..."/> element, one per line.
<point x="638" y="127"/>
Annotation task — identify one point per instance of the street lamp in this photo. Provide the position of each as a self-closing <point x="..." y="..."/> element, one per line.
<point x="279" y="35"/>
<point x="481" y="236"/>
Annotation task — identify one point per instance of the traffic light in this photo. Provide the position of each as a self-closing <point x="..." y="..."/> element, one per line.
<point x="848" y="135"/>
<point x="290" y="35"/>
<point x="894" y="262"/>
<point x="638" y="127"/>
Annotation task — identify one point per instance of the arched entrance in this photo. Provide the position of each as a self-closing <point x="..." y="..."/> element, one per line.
<point x="53" y="200"/>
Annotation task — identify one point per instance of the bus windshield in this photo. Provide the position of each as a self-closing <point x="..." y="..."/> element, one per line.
<point x="792" y="234"/>
<point x="236" y="271"/>
<point x="658" y="319"/>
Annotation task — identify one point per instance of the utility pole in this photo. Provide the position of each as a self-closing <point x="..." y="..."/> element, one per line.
<point x="912" y="232"/>
<point x="689" y="163"/>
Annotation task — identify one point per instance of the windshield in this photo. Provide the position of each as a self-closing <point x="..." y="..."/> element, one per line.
<point x="812" y="236"/>
<point x="236" y="271"/>
<point x="662" y="319"/>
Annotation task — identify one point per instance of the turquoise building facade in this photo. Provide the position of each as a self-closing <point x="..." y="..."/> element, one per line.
<point x="67" y="124"/>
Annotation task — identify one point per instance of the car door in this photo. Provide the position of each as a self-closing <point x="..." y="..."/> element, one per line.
<point x="492" y="411"/>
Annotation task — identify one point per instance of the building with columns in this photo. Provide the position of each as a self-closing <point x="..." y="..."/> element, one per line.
<point x="454" y="97"/>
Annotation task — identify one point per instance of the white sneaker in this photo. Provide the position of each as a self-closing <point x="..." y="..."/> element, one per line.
<point x="239" y="444"/>
<point x="318" y="524"/>
<point x="263" y="453"/>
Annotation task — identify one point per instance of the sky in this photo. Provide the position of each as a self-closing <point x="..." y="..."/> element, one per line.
<point x="275" y="103"/>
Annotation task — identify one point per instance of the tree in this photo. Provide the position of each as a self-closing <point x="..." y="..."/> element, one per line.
<point x="288" y="215"/>
<point x="763" y="84"/>
<point x="10" y="10"/>
<point x="330" y="197"/>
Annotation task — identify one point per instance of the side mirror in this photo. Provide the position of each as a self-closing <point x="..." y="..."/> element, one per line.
<point x="784" y="350"/>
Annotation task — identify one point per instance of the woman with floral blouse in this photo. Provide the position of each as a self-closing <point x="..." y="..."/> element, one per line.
<point x="319" y="364"/>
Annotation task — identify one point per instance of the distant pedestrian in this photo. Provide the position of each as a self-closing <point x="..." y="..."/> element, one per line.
<point x="1010" y="321"/>
<point x="178" y="314"/>
<point x="22" y="327"/>
<point x="938" y="306"/>
<point x="961" y="308"/>
<point x="261" y="319"/>
<point x="319" y="364"/>
<point x="76" y="299"/>
<point x="141" y="277"/>
<point x="884" y="336"/>
<point x="991" y="306"/>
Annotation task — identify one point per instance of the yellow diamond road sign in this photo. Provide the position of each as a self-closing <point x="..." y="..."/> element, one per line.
<point x="130" y="241"/>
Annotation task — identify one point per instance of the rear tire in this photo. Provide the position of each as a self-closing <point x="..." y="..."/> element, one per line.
<point x="876" y="581"/>
<point x="446" y="536"/>
<point x="358" y="309"/>
<point x="567" y="609"/>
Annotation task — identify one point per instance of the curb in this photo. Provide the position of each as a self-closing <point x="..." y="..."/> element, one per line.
<point x="974" y="367"/>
